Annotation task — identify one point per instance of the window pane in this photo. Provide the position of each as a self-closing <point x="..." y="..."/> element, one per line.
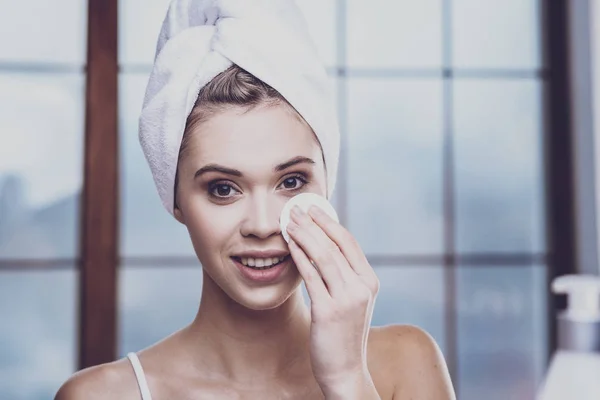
<point x="41" y="164"/>
<point x="502" y="335"/>
<point x="411" y="295"/>
<point x="43" y="31"/>
<point x="147" y="229"/>
<point x="395" y="165"/>
<point x="155" y="302"/>
<point x="322" y="22"/>
<point x="38" y="332"/>
<point x="139" y="25"/>
<point x="499" y="166"/>
<point x="496" y="34"/>
<point x="388" y="34"/>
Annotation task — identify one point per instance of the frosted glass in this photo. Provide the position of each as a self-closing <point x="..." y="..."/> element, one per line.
<point x="42" y="31"/>
<point x="41" y="164"/>
<point x="496" y="34"/>
<point x="414" y="296"/>
<point x="38" y="332"/>
<point x="499" y="166"/>
<point x="392" y="34"/>
<point x="502" y="339"/>
<point x="155" y="302"/>
<point x="139" y="25"/>
<point x="395" y="170"/>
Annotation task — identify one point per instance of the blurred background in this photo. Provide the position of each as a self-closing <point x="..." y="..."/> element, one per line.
<point x="468" y="175"/>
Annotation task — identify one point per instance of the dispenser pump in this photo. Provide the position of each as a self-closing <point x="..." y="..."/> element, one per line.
<point x="575" y="366"/>
<point x="583" y="295"/>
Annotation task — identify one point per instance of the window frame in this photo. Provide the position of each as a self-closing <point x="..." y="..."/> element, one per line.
<point x="99" y="223"/>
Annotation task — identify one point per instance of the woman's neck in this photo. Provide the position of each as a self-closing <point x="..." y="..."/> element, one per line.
<point x="251" y="346"/>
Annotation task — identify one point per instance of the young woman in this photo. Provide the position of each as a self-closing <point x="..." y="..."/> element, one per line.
<point x="245" y="151"/>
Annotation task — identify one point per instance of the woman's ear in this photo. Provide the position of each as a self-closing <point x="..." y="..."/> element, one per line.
<point x="178" y="215"/>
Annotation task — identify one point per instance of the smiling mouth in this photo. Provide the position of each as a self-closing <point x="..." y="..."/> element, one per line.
<point x="252" y="263"/>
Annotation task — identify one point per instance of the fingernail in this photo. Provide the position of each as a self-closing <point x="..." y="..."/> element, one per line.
<point x="315" y="211"/>
<point x="291" y="226"/>
<point x="297" y="211"/>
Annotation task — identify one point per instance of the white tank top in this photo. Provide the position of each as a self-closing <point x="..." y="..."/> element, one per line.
<point x="139" y="376"/>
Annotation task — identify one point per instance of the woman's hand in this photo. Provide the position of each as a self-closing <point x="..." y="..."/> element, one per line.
<point x="342" y="294"/>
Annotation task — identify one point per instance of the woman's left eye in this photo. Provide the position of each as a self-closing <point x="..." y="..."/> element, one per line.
<point x="290" y="183"/>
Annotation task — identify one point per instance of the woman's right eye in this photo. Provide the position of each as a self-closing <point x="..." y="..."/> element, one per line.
<point x="221" y="190"/>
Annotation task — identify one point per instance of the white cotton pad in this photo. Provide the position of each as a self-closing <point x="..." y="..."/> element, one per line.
<point x="304" y="201"/>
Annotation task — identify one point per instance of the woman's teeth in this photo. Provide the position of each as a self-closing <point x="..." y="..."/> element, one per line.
<point x="261" y="263"/>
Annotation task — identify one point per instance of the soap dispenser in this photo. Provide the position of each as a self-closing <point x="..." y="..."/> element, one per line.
<point x="574" y="372"/>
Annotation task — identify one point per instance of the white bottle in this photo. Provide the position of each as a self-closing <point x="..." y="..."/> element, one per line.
<point x="574" y="372"/>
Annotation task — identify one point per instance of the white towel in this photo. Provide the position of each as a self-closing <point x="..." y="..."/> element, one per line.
<point x="200" y="39"/>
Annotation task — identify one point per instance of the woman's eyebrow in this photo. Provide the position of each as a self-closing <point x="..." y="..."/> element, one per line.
<point x="217" y="168"/>
<point x="292" y="162"/>
<point x="235" y="172"/>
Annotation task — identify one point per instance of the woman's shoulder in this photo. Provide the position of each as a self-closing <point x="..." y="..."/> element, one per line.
<point x="113" y="380"/>
<point x="409" y="357"/>
<point x="394" y="339"/>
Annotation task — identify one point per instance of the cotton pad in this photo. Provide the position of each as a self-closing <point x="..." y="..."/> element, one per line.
<point x="304" y="201"/>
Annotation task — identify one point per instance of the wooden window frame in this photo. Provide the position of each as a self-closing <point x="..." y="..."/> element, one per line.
<point x="100" y="205"/>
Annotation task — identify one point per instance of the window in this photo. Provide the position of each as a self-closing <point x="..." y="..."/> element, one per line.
<point x="41" y="154"/>
<point x="442" y="106"/>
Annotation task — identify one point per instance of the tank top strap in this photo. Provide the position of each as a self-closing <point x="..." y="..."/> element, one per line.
<point x="139" y="375"/>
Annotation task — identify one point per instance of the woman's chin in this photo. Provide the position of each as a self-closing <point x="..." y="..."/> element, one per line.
<point x="266" y="298"/>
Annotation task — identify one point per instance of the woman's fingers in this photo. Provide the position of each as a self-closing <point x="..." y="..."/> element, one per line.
<point x="348" y="246"/>
<point x="314" y="283"/>
<point x="331" y="263"/>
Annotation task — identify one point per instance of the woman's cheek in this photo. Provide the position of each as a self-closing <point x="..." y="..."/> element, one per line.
<point x="220" y="221"/>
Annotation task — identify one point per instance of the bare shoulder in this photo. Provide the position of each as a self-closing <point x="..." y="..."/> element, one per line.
<point x="113" y="380"/>
<point x="405" y="340"/>
<point x="410" y="358"/>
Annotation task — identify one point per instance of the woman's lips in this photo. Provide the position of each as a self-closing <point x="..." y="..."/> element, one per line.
<point x="268" y="275"/>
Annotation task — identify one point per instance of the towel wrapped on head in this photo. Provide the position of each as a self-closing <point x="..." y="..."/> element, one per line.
<point x="200" y="39"/>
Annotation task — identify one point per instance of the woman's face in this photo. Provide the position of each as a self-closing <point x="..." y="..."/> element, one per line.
<point x="239" y="169"/>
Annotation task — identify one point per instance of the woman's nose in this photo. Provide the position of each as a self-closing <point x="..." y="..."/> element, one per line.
<point x="262" y="217"/>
